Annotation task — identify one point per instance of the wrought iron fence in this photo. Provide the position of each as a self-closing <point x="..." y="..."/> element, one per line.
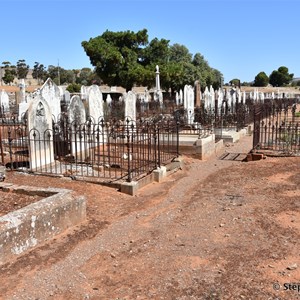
<point x="108" y="151"/>
<point x="277" y="127"/>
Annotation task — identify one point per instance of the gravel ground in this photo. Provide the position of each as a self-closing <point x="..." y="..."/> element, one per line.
<point x="217" y="229"/>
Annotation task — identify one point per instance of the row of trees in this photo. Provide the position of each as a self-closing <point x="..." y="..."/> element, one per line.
<point x="20" y="70"/>
<point x="127" y="58"/>
<point x="279" y="77"/>
<point x="59" y="75"/>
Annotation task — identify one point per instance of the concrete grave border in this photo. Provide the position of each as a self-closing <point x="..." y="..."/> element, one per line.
<point x="38" y="222"/>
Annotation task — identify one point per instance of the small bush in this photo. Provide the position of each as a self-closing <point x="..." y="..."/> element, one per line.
<point x="74" y="88"/>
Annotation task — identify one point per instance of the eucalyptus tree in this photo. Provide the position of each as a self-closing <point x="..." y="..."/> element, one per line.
<point x="9" y="72"/>
<point x="22" y="69"/>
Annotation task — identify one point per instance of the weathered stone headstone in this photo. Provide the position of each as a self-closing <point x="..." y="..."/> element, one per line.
<point x="147" y="96"/>
<point x="130" y="106"/>
<point x="95" y="103"/>
<point x="233" y="99"/>
<point x="239" y="95"/>
<point x="220" y="97"/>
<point x="4" y="101"/>
<point x="108" y="100"/>
<point x="244" y="97"/>
<point x="206" y="97"/>
<point x="255" y="95"/>
<point x="185" y="98"/>
<point x="40" y="133"/>
<point x="67" y="97"/>
<point x="177" y="98"/>
<point x="180" y="96"/>
<point x="189" y="100"/>
<point x="212" y="97"/>
<point x="273" y="95"/>
<point x="50" y="92"/>
<point x="84" y="92"/>
<point x="23" y="107"/>
<point x="197" y="93"/>
<point x="22" y="92"/>
<point x="61" y="92"/>
<point x="76" y="111"/>
<point x="77" y="119"/>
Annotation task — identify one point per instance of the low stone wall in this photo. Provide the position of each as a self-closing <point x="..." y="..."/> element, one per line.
<point x="38" y="222"/>
<point x="202" y="148"/>
<point x="207" y="147"/>
<point x="230" y="136"/>
<point x="131" y="188"/>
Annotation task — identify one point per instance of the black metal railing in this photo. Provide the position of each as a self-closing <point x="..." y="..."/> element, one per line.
<point x="106" y="150"/>
<point x="277" y="127"/>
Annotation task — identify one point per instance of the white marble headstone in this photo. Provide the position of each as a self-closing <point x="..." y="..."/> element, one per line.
<point x="51" y="93"/>
<point x="95" y="103"/>
<point x="189" y="102"/>
<point x="130" y="106"/>
<point x="40" y="133"/>
<point x="76" y="111"/>
<point x="4" y="101"/>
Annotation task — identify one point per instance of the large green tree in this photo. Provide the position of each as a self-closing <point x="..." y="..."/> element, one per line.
<point x="281" y="77"/>
<point x="128" y="59"/>
<point x="117" y="55"/>
<point x="261" y="79"/>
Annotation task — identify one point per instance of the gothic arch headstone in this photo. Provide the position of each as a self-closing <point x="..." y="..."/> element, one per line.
<point x="40" y="133"/>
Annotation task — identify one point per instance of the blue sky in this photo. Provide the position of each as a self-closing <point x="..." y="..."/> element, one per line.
<point x="240" y="38"/>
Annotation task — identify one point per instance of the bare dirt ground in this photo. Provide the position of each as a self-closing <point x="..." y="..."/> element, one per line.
<point x="12" y="201"/>
<point x="218" y="229"/>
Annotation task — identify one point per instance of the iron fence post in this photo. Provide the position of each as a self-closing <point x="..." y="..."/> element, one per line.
<point x="254" y="127"/>
<point x="158" y="147"/>
<point x="1" y="146"/>
<point x="129" y="177"/>
<point x="10" y="139"/>
<point x="177" y="137"/>
<point x="155" y="144"/>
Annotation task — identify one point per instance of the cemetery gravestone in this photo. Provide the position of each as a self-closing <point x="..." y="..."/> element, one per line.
<point x="40" y="133"/>
<point x="95" y="103"/>
<point x="4" y="101"/>
<point x="50" y="92"/>
<point x="130" y="106"/>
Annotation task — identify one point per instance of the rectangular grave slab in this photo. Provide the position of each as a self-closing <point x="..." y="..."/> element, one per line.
<point x="39" y="222"/>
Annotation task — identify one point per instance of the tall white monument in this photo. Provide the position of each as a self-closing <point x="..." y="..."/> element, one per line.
<point x="158" y="96"/>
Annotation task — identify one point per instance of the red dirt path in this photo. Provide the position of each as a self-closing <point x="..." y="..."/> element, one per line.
<point x="215" y="230"/>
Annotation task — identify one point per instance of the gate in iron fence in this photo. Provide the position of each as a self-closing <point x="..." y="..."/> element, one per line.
<point x="107" y="151"/>
<point x="277" y="128"/>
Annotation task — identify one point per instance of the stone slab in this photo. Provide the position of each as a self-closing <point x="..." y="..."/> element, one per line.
<point x="39" y="222"/>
